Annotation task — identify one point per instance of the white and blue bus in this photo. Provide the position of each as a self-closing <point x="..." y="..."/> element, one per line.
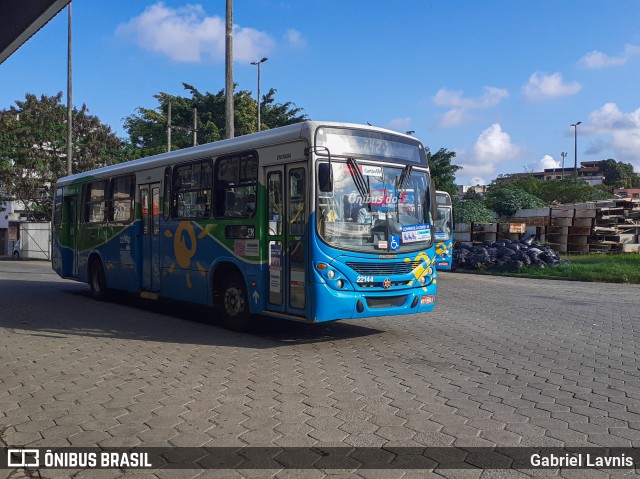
<point x="443" y="231"/>
<point x="315" y="221"/>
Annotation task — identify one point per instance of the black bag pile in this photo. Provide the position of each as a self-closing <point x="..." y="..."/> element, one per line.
<point x="510" y="254"/>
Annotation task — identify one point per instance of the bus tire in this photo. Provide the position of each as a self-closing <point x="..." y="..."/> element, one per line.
<point x="234" y="303"/>
<point x="97" y="281"/>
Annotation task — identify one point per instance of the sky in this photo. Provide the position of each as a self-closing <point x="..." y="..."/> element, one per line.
<point x="498" y="82"/>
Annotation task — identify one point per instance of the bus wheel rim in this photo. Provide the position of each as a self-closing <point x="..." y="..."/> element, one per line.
<point x="233" y="301"/>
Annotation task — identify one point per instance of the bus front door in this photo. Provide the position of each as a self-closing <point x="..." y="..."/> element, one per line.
<point x="70" y="222"/>
<point x="287" y="212"/>
<point x="150" y="247"/>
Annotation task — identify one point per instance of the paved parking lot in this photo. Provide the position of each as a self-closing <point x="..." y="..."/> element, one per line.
<point x="501" y="362"/>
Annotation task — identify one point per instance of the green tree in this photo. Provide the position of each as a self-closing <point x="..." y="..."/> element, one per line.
<point x="471" y="210"/>
<point x="33" y="148"/>
<point x="507" y="200"/>
<point x="443" y="171"/>
<point x="147" y="128"/>
<point x="550" y="191"/>
<point x="618" y="174"/>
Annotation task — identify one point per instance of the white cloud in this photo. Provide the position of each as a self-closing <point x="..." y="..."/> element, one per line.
<point x="476" y="180"/>
<point x="295" y="38"/>
<point x="596" y="59"/>
<point x="399" y="124"/>
<point x="491" y="97"/>
<point x="451" y="118"/>
<point x="542" y="86"/>
<point x="458" y="114"/>
<point x="188" y="34"/>
<point x="547" y="161"/>
<point x="492" y="147"/>
<point x="622" y="128"/>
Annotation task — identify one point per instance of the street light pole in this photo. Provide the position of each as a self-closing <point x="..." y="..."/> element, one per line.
<point x="69" y="99"/>
<point x="563" y="155"/>
<point x="575" y="149"/>
<point x="228" y="59"/>
<point x="264" y="59"/>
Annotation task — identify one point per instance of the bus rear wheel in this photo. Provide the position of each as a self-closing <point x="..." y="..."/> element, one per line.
<point x="97" y="281"/>
<point x="234" y="303"/>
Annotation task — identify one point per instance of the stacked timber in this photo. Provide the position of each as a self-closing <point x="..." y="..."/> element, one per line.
<point x="570" y="227"/>
<point x="481" y="232"/>
<point x="597" y="226"/>
<point x="536" y="221"/>
<point x="617" y="226"/>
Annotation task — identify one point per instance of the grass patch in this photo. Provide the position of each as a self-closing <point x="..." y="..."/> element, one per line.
<point x="601" y="268"/>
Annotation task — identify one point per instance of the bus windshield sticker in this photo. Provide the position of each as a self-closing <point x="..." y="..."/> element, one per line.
<point x="252" y="248"/>
<point x="275" y="262"/>
<point x="368" y="170"/>
<point x="414" y="233"/>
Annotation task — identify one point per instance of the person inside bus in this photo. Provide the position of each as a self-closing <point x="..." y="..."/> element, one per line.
<point x="251" y="205"/>
<point x="364" y="215"/>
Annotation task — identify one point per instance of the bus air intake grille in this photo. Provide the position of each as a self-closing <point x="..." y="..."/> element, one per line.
<point x="384" y="268"/>
<point x="386" y="302"/>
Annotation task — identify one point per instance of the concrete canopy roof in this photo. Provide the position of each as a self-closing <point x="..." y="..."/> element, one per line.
<point x="20" y="20"/>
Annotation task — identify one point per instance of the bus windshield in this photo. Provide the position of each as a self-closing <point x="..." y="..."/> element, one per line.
<point x="375" y="208"/>
<point x="442" y="224"/>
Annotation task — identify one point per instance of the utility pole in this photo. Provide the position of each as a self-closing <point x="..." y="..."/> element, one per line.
<point x="195" y="127"/>
<point x="264" y="59"/>
<point x="193" y="130"/>
<point x="229" y="114"/>
<point x="575" y="146"/>
<point x="563" y="155"/>
<point x="169" y="128"/>
<point x="69" y="99"/>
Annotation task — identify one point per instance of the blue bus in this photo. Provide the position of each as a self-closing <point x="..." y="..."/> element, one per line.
<point x="443" y="234"/>
<point x="315" y="221"/>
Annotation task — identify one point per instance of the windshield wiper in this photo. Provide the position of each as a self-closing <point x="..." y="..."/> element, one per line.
<point x="401" y="183"/>
<point x="404" y="178"/>
<point x="361" y="184"/>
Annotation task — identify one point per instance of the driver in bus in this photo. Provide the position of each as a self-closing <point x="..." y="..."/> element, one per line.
<point x="251" y="205"/>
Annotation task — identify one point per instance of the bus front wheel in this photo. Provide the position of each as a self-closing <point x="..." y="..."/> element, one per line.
<point x="234" y="303"/>
<point x="97" y="281"/>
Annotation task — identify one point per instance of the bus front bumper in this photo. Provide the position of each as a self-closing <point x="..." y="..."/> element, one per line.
<point x="332" y="304"/>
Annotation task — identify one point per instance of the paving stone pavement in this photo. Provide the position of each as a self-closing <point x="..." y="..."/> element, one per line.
<point x="500" y="362"/>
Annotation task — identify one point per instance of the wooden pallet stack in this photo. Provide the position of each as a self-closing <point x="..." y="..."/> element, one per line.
<point x="481" y="232"/>
<point x="570" y="227"/>
<point x="616" y="227"/>
<point x="536" y="221"/>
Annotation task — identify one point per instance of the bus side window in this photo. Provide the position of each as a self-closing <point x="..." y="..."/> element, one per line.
<point x="122" y="199"/>
<point x="236" y="180"/>
<point x="297" y="216"/>
<point x="166" y="203"/>
<point x="96" y="206"/>
<point x="57" y="214"/>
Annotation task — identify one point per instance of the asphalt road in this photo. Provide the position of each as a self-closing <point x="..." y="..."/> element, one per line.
<point x="500" y="362"/>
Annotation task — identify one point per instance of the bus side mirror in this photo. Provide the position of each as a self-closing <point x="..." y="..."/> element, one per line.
<point x="325" y="177"/>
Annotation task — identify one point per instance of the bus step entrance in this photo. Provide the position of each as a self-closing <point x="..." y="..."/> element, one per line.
<point x="149" y="295"/>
